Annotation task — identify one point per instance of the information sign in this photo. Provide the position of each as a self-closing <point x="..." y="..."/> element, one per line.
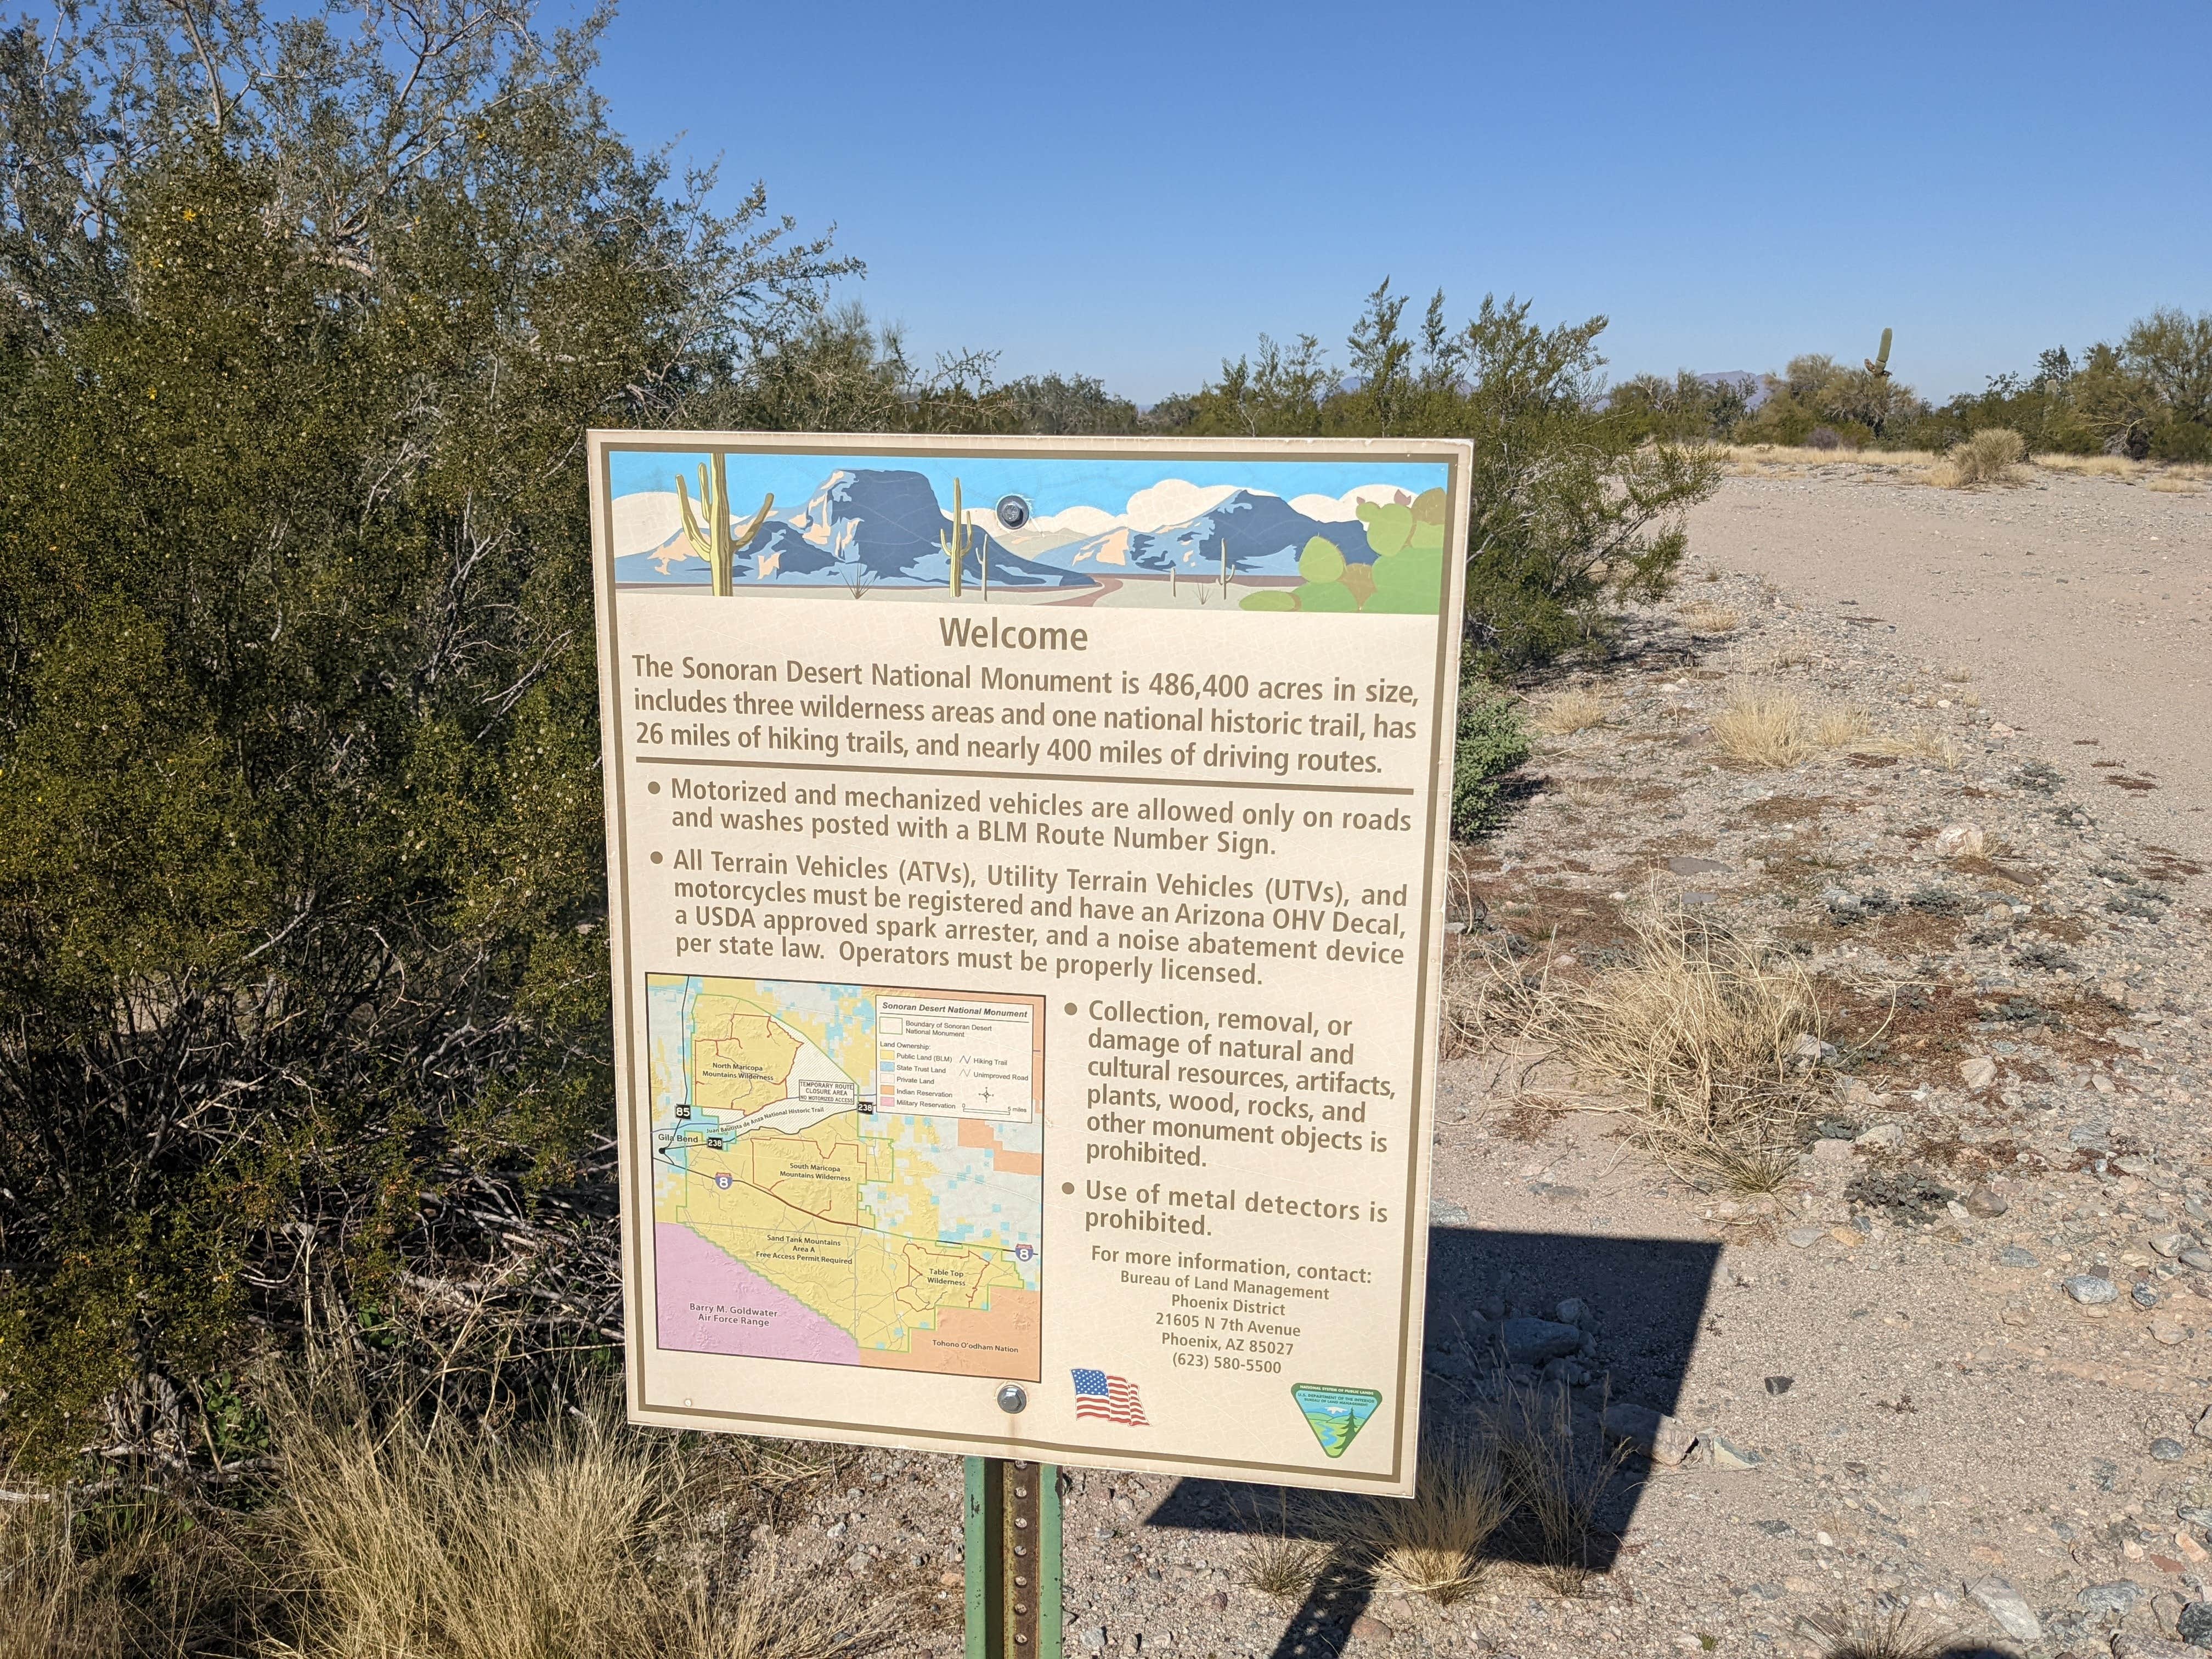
<point x="1026" y="862"/>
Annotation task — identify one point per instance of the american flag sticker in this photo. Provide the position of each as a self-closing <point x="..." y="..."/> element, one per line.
<point x="1114" y="1398"/>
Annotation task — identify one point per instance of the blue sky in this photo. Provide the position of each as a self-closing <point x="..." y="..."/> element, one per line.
<point x="1134" y="190"/>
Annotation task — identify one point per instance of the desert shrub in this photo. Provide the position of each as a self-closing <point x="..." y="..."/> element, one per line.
<point x="1492" y="741"/>
<point x="1991" y="456"/>
<point x="1574" y="509"/>
<point x="300" y="819"/>
<point x="1824" y="437"/>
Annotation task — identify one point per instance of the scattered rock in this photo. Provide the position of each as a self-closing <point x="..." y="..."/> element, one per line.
<point x="1883" y="1137"/>
<point x="1372" y="1629"/>
<point x="2091" y="1291"/>
<point x="2199" y="1259"/>
<point x="1804" y="1238"/>
<point x="1445" y="1213"/>
<point x="2170" y="1245"/>
<point x="2143" y="1296"/>
<point x="1832" y="1151"/>
<point x="1961" y="840"/>
<point x="2166" y="1449"/>
<point x="2194" y="1623"/>
<point x="2167" y="1333"/>
<point x="2013" y="1256"/>
<point x="2008" y="1607"/>
<point x="1989" y="1205"/>
<point x="1979" y="1072"/>
<point x="2204" y="1424"/>
<point x="1534" y="1341"/>
<point x="1692" y="867"/>
<point x="2153" y="1647"/>
<point x="1662" y="1438"/>
<point x="1779" y="1385"/>
<point x="2115" y="1600"/>
<point x="1726" y="1456"/>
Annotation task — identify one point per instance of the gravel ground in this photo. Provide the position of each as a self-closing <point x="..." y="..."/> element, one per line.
<point x="1909" y="1401"/>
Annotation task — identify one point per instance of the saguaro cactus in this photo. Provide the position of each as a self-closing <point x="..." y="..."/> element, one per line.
<point x="714" y="544"/>
<point x="1878" y="365"/>
<point x="957" y="542"/>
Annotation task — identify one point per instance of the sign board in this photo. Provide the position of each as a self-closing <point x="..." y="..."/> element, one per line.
<point x="1026" y="872"/>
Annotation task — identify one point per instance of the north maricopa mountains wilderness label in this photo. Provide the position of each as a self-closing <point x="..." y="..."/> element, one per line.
<point x="1026" y="875"/>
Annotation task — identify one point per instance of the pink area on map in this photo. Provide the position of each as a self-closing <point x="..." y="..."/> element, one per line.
<point x="708" y="1303"/>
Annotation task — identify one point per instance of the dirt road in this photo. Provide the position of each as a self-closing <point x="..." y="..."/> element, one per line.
<point x="2082" y="608"/>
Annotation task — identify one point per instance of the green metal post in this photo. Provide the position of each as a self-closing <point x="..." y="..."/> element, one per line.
<point x="1013" y="1559"/>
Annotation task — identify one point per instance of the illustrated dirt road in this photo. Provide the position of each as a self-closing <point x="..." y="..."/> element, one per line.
<point x="2083" y="606"/>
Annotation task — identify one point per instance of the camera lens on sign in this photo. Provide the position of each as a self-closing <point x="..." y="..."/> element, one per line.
<point x="1013" y="512"/>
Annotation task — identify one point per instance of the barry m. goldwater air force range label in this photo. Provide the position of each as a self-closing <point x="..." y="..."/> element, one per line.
<point x="1026" y="869"/>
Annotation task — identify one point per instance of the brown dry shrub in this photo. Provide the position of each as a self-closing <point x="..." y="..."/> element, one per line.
<point x="1575" y="709"/>
<point x="1991" y="456"/>
<point x="1434" y="1543"/>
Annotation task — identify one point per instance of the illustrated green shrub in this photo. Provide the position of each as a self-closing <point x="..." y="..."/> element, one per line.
<point x="1409" y="546"/>
<point x="1270" y="598"/>
<point x="1491" y="741"/>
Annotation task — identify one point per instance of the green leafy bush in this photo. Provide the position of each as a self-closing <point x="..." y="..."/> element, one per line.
<point x="1490" y="742"/>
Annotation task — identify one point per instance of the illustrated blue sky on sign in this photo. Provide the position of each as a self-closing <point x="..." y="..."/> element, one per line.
<point x="1331" y="536"/>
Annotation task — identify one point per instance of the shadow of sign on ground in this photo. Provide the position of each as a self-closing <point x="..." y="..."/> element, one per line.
<point x="1641" y="1301"/>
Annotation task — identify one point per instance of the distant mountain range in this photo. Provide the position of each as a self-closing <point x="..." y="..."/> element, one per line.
<point x="880" y="528"/>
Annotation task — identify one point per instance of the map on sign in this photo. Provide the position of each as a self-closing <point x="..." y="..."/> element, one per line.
<point x="848" y="1174"/>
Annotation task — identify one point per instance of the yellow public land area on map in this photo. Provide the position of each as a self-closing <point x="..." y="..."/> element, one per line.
<point x="794" y="1220"/>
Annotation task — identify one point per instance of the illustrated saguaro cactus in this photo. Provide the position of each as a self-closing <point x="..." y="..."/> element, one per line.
<point x="1878" y="365"/>
<point x="714" y="544"/>
<point x="954" y="544"/>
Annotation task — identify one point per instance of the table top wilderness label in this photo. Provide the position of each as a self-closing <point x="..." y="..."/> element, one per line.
<point x="1026" y="866"/>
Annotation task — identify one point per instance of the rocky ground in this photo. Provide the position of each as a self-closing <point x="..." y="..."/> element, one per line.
<point x="1960" y="1363"/>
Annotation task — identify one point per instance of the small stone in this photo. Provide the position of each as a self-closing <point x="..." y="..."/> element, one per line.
<point x="1373" y="1628"/>
<point x="1804" y="1238"/>
<point x="2167" y="1333"/>
<point x="2197" y="1258"/>
<point x="2195" y="1624"/>
<point x="2004" y="1604"/>
<point x="2114" y="991"/>
<point x="1662" y="1438"/>
<point x="2204" y="1424"/>
<point x="2117" y="1599"/>
<point x="1094" y="1639"/>
<point x="1726" y="1456"/>
<point x="951" y="1579"/>
<point x="1780" y="1385"/>
<point x="1849" y="1238"/>
<point x="1989" y="1205"/>
<point x="1534" y="1341"/>
<point x="1576" y="1312"/>
<point x="2143" y="1296"/>
<point x="2166" y="1449"/>
<point x="2091" y="1290"/>
<point x="1883" y="1137"/>
<point x="2012" y="1255"/>
<point x="1220" y="1599"/>
<point x="2170" y="1245"/>
<point x="1961" y="840"/>
<point x="1979" y="1072"/>
<point x="1832" y="1151"/>
<point x="1445" y="1213"/>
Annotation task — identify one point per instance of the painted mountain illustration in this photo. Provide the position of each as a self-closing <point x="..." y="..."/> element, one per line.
<point x="862" y="528"/>
<point x="1259" y="535"/>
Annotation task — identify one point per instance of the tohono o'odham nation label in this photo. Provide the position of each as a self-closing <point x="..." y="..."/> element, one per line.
<point x="1026" y="934"/>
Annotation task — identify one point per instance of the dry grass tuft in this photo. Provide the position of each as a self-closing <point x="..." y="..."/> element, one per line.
<point x="1433" y="1543"/>
<point x="126" y="1579"/>
<point x="571" y="1538"/>
<point x="2092" y="466"/>
<point x="1556" y="1475"/>
<point x="1922" y="743"/>
<point x="1851" y="1634"/>
<point x="1711" y="619"/>
<point x="1839" y="725"/>
<point x="1704" y="1030"/>
<point x="1705" y="1033"/>
<point x="2173" y="483"/>
<point x="1763" y="726"/>
<point x="1756" y="460"/>
<point x="1576" y="709"/>
<point x="1277" y="1563"/>
<point x="1991" y="456"/>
